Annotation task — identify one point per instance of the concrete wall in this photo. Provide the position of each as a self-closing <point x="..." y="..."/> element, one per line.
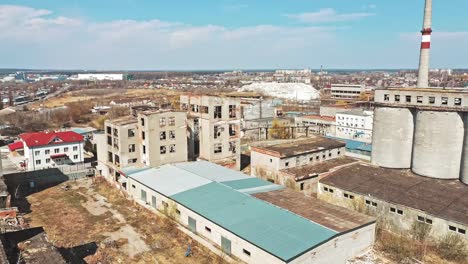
<point x="464" y="162"/>
<point x="422" y="98"/>
<point x="392" y="142"/>
<point x="438" y="144"/>
<point x="155" y="125"/>
<point x="393" y="220"/>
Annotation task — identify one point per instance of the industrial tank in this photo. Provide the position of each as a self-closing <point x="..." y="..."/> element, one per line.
<point x="392" y="140"/>
<point x="438" y="144"/>
<point x="464" y="165"/>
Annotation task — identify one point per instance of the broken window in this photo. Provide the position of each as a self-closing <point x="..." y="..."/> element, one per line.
<point x="232" y="147"/>
<point x="131" y="148"/>
<point x="162" y="150"/>
<point x="408" y="98"/>
<point x="117" y="160"/>
<point x="142" y="120"/>
<point x="110" y="157"/>
<point x="116" y="143"/>
<point x="431" y="99"/>
<point x="386" y="97"/>
<point x="162" y="135"/>
<point x="232" y="111"/>
<point x="419" y="99"/>
<point x="217" y="112"/>
<point x="171" y="121"/>
<point x="232" y="130"/>
<point x="130" y="161"/>
<point x="444" y="101"/>
<point x="116" y="132"/>
<point x="397" y="98"/>
<point x="184" y="107"/>
<point x="109" y="130"/>
<point x="131" y="132"/>
<point x="162" y="121"/>
<point x="172" y="134"/>
<point x="194" y="108"/>
<point x="217" y="131"/>
<point x="457" y="101"/>
<point x="204" y="109"/>
<point x="218" y="148"/>
<point x="172" y="148"/>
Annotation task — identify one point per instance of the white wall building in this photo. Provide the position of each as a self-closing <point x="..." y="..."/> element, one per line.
<point x="347" y="91"/>
<point x="100" y="77"/>
<point x="51" y="149"/>
<point x="355" y="125"/>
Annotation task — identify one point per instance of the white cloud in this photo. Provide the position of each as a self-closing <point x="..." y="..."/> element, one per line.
<point x="327" y="15"/>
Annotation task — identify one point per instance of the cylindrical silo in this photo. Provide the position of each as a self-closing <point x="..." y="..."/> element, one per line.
<point x="438" y="144"/>
<point x="464" y="165"/>
<point x="392" y="139"/>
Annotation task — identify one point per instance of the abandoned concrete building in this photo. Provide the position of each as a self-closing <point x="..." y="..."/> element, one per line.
<point x="163" y="137"/>
<point x="315" y="124"/>
<point x="268" y="160"/>
<point x="117" y="147"/>
<point x="214" y="128"/>
<point x="305" y="178"/>
<point x="220" y="206"/>
<point x="401" y="198"/>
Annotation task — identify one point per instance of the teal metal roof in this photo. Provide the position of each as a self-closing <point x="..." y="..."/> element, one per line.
<point x="355" y="145"/>
<point x="252" y="185"/>
<point x="132" y="169"/>
<point x="277" y="231"/>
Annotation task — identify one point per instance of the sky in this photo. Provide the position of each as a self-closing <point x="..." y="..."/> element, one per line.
<point x="228" y="34"/>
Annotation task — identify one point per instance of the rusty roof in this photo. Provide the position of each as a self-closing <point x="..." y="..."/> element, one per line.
<point x="301" y="146"/>
<point x="303" y="172"/>
<point x="334" y="217"/>
<point x="441" y="198"/>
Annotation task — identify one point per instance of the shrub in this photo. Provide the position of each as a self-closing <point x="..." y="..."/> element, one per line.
<point x="452" y="247"/>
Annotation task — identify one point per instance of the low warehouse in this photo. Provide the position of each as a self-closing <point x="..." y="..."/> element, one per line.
<point x="401" y="198"/>
<point x="218" y="204"/>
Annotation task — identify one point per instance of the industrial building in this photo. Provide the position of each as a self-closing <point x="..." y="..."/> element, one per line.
<point x="347" y="91"/>
<point x="100" y="77"/>
<point x="355" y="125"/>
<point x="214" y="128"/>
<point x="266" y="161"/>
<point x="163" y="137"/>
<point x="315" y="124"/>
<point x="219" y="205"/>
<point x="117" y="147"/>
<point x="400" y="198"/>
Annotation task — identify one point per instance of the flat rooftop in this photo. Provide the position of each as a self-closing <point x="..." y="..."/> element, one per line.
<point x="126" y="120"/>
<point x="158" y="111"/>
<point x="331" y="216"/>
<point x="304" y="172"/>
<point x="300" y="146"/>
<point x="354" y="112"/>
<point x="445" y="199"/>
<point x="430" y="89"/>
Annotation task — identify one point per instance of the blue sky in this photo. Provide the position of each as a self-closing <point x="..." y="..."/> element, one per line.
<point x="227" y="34"/>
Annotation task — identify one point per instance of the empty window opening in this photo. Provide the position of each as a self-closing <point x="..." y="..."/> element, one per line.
<point x="142" y="122"/>
<point x="218" y="148"/>
<point x="171" y="121"/>
<point x="232" y="147"/>
<point x="204" y="109"/>
<point x="162" y="121"/>
<point x="232" y="111"/>
<point x="444" y="100"/>
<point x="217" y="112"/>
<point x="246" y="252"/>
<point x="162" y="135"/>
<point x="208" y="229"/>
<point x="172" y="148"/>
<point x="143" y="135"/>
<point x="452" y="228"/>
<point x="386" y="97"/>
<point x="131" y="132"/>
<point x="397" y="98"/>
<point x="457" y="101"/>
<point x="232" y="130"/>
<point x="408" y="98"/>
<point x="162" y="149"/>
<point x="419" y="99"/>
<point x="431" y="99"/>
<point x="302" y="186"/>
<point x="217" y="131"/>
<point x="286" y="164"/>
<point x="172" y="134"/>
<point x="131" y="148"/>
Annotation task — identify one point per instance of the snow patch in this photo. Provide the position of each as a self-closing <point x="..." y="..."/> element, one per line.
<point x="292" y="91"/>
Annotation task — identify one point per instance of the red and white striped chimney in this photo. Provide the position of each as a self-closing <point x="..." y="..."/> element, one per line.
<point x="423" y="76"/>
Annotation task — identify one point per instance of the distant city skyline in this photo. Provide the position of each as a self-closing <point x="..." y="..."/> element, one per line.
<point x="215" y="35"/>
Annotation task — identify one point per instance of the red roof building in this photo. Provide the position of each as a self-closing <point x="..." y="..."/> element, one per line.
<point x="38" y="139"/>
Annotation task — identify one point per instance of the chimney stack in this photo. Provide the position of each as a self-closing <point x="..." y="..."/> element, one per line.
<point x="423" y="76"/>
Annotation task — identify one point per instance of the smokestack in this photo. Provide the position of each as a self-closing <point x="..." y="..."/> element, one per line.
<point x="423" y="76"/>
